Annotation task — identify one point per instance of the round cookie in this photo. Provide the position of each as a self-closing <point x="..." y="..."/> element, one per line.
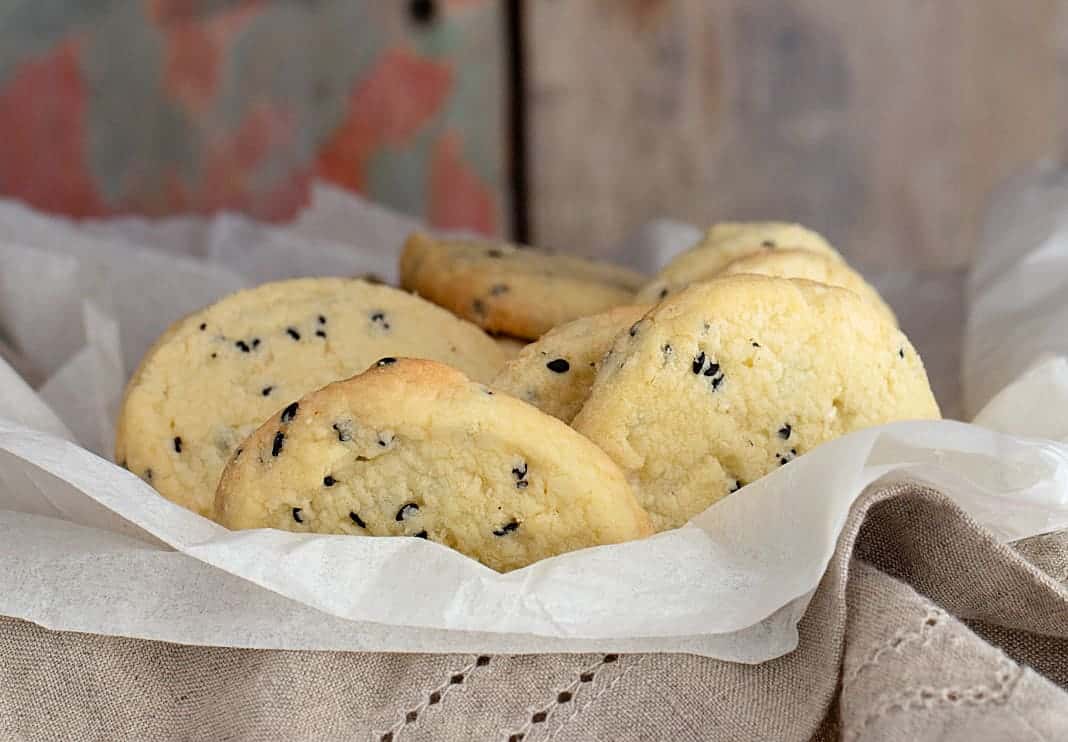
<point x="813" y="266"/>
<point x="510" y="347"/>
<point x="555" y="373"/>
<point x="522" y="292"/>
<point x="724" y="243"/>
<point x="216" y="375"/>
<point x="414" y="448"/>
<point x="731" y="378"/>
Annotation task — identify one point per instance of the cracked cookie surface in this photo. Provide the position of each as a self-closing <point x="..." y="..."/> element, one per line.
<point x="414" y="448"/>
<point x="732" y="378"/>
<point x="216" y="375"/>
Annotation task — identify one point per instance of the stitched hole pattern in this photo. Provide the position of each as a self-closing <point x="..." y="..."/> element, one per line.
<point x="900" y="640"/>
<point x="564" y="698"/>
<point x="434" y="697"/>
<point x="925" y="698"/>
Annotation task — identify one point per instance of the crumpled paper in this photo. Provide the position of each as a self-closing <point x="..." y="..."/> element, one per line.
<point x="87" y="546"/>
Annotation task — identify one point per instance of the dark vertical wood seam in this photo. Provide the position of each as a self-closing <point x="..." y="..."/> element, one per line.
<point x="517" y="120"/>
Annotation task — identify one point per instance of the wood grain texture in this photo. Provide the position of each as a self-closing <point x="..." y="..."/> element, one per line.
<point x="883" y="125"/>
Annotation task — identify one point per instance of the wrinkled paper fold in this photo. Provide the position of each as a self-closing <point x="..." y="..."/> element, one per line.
<point x="88" y="546"/>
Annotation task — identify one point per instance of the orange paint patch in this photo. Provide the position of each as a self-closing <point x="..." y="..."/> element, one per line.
<point x="228" y="179"/>
<point x="458" y="197"/>
<point x="194" y="49"/>
<point x="42" y="150"/>
<point x="399" y="96"/>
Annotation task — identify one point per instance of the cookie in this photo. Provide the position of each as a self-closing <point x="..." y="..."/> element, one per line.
<point x="555" y="373"/>
<point x="510" y="347"/>
<point x="414" y="448"/>
<point x="732" y="378"/>
<point x="813" y="266"/>
<point x="522" y="292"/>
<point x="724" y="243"/>
<point x="215" y="376"/>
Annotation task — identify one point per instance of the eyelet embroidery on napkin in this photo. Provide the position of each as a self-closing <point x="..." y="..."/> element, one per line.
<point x="900" y="640"/>
<point x="436" y="696"/>
<point x="925" y="697"/>
<point x="567" y="697"/>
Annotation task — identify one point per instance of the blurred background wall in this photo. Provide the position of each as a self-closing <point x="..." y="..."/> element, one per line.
<point x="884" y="125"/>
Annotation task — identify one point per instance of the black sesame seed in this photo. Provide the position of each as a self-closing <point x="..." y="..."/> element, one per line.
<point x="712" y="370"/>
<point x="407" y="511"/>
<point x="539" y="717"/>
<point x="214" y="355"/>
<point x="738" y="484"/>
<point x="478" y="306"/>
<point x="378" y="317"/>
<point x="901" y="352"/>
<point x="237" y="453"/>
<point x="698" y="362"/>
<point x="494" y="253"/>
<point x="384" y="439"/>
<point x="329" y="481"/>
<point x="203" y="326"/>
<point x="667" y="349"/>
<point x="266" y="391"/>
<point x="255" y="342"/>
<point x="387" y="361"/>
<point x="785" y="430"/>
<point x="344" y="432"/>
<point x="716" y="381"/>
<point x="482" y="661"/>
<point x="292" y="332"/>
<point x="520" y="471"/>
<point x="279" y="441"/>
<point x="663" y="293"/>
<point x="793" y="451"/>
<point x="320" y="334"/>
<point x="357" y="519"/>
<point x="322" y="320"/>
<point x="610" y="658"/>
<point x="422" y="534"/>
<point x="756" y="344"/>
<point x="498" y="289"/>
<point x="506" y="529"/>
<point x="148" y="474"/>
<point x="242" y="346"/>
<point x="559" y="365"/>
<point x="290" y="412"/>
<point x="177" y="444"/>
<point x="768" y="243"/>
<point x="634" y="328"/>
<point x="564" y="697"/>
<point x="296" y="515"/>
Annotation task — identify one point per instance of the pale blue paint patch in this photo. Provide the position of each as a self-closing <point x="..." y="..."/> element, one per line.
<point x="31" y="27"/>
<point x="136" y="137"/>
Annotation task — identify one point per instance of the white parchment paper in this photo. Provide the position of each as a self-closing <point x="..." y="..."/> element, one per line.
<point x="87" y="546"/>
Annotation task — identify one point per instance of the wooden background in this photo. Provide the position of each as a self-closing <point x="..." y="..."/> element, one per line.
<point x="883" y="124"/>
